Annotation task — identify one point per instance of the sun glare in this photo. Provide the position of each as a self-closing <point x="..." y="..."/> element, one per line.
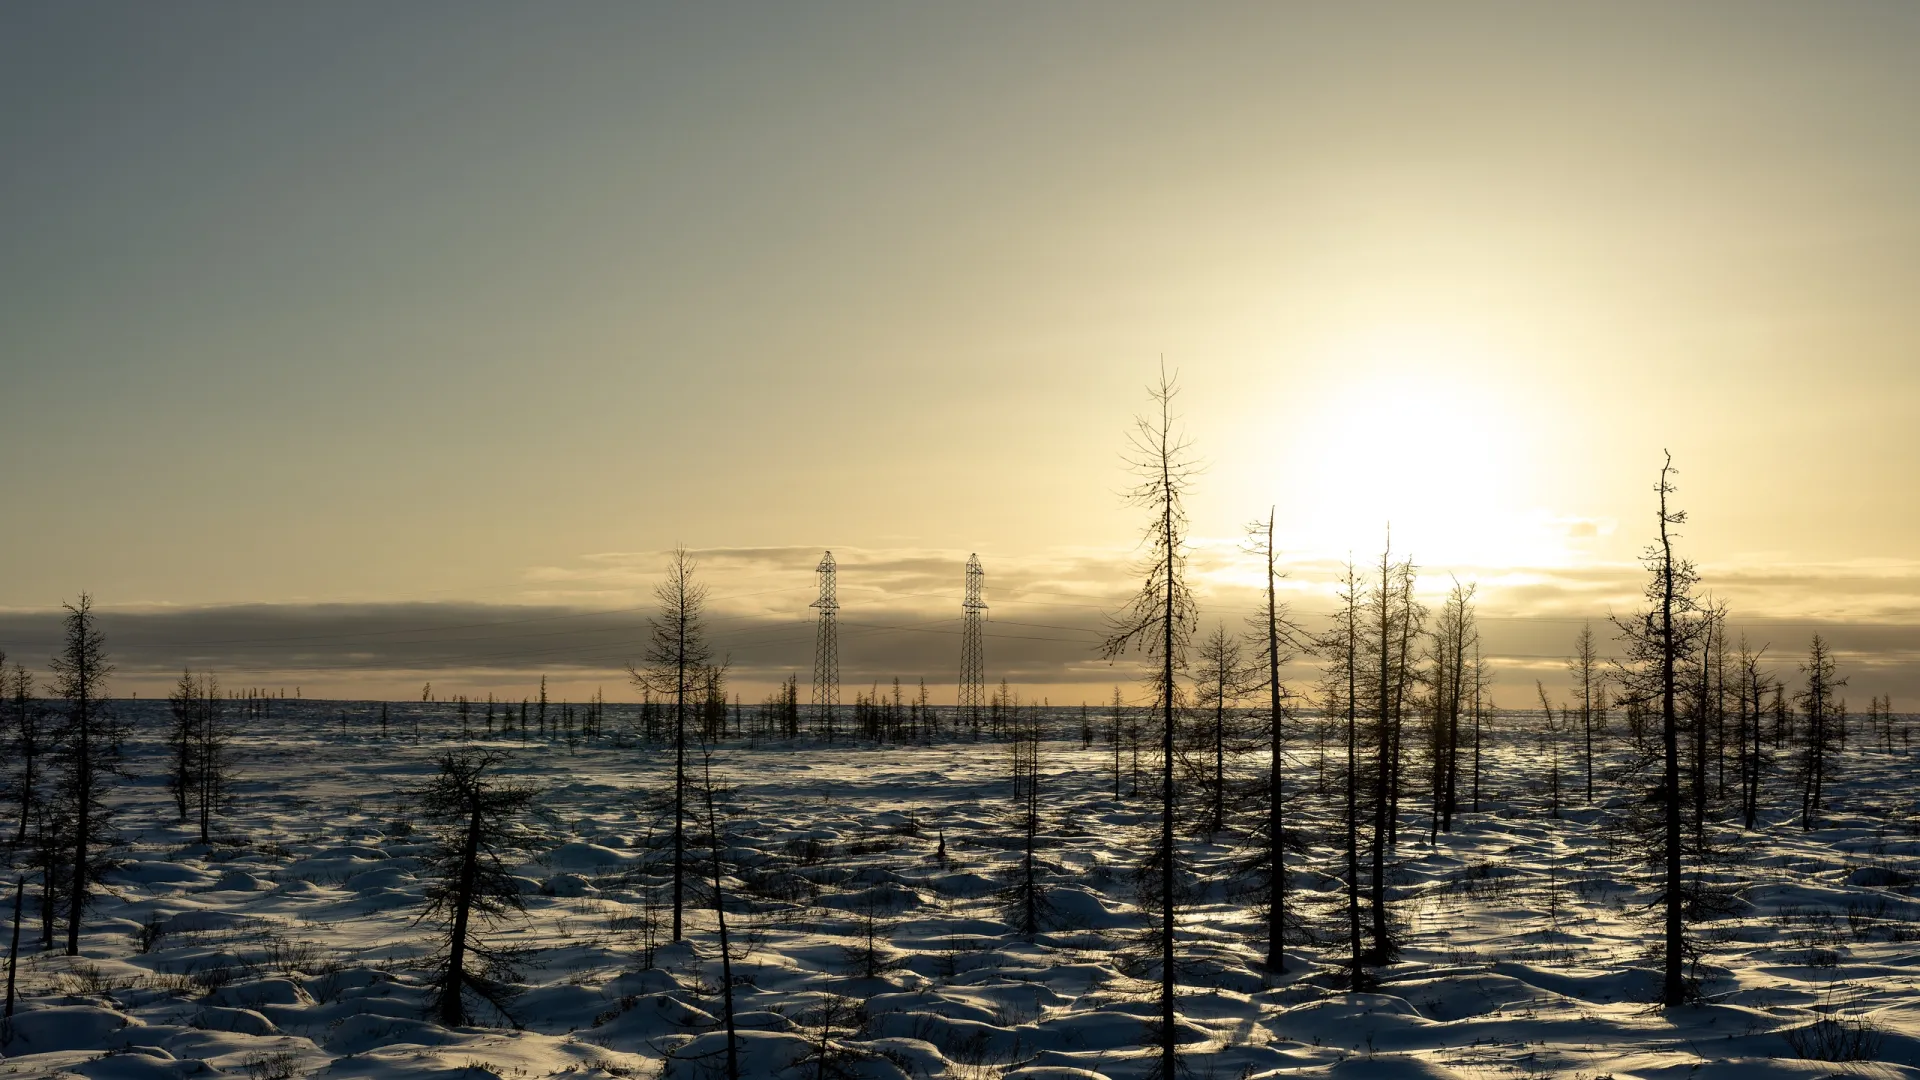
<point x="1415" y="437"/>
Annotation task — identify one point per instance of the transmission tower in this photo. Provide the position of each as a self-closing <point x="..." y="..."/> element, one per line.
<point x="973" y="668"/>
<point x="826" y="648"/>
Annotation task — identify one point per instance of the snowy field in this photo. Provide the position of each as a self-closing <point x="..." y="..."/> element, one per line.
<point x="289" y="946"/>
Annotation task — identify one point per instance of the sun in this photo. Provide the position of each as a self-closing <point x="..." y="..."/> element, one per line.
<point x="1423" y="442"/>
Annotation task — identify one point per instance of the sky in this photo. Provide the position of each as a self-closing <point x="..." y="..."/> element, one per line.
<point x="334" y="336"/>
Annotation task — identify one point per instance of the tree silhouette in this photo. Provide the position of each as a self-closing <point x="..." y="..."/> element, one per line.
<point x="1454" y="634"/>
<point x="1590" y="682"/>
<point x="88" y="755"/>
<point x="676" y="664"/>
<point x="1656" y="641"/>
<point x="30" y="740"/>
<point x="470" y="889"/>
<point x="1160" y="622"/>
<point x="1816" y="701"/>
<point x="1275" y="636"/>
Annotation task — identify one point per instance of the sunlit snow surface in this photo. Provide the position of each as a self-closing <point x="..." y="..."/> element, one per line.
<point x="289" y="947"/>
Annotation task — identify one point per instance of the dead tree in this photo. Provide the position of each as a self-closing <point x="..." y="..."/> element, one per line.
<point x="1160" y="621"/>
<point x="676" y="664"/>
<point x="470" y="890"/>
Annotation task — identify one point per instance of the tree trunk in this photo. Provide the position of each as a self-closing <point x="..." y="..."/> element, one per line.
<point x="1276" y="839"/>
<point x="1674" y="987"/>
<point x="83" y="823"/>
<point x="13" y="948"/>
<point x="679" y="782"/>
<point x="452" y="1012"/>
<point x="1168" y="1060"/>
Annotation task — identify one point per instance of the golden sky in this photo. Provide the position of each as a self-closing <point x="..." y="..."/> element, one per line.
<point x="488" y="305"/>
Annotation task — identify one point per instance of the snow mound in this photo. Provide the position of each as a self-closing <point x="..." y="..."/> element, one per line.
<point x="67" y="1027"/>
<point x="236" y="1021"/>
<point x="583" y="856"/>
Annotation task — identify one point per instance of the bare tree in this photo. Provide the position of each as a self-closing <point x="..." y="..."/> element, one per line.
<point x="471" y="890"/>
<point x="200" y="771"/>
<point x="1590" y="682"/>
<point x="184" y="705"/>
<point x="1024" y="898"/>
<point x="1656" y="641"/>
<point x="1816" y="700"/>
<point x="88" y="754"/>
<point x="1160" y="621"/>
<point x="1454" y="633"/>
<point x="212" y="758"/>
<point x="1340" y="647"/>
<point x="1393" y="623"/>
<point x="1550" y="748"/>
<point x="1483" y="710"/>
<point x="717" y="842"/>
<point x="1222" y="679"/>
<point x="1276" y="636"/>
<point x="1752" y="758"/>
<point x="1707" y="706"/>
<point x="30" y="741"/>
<point x="676" y="664"/>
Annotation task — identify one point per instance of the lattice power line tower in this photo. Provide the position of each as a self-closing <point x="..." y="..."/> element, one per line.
<point x="826" y="647"/>
<point x="973" y="666"/>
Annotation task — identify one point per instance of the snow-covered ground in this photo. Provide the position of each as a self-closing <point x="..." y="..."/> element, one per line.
<point x="289" y="946"/>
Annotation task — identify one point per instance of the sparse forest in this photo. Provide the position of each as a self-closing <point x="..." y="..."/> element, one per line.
<point x="1233" y="869"/>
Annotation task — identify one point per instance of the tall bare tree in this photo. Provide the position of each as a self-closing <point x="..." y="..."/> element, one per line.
<point x="1160" y="622"/>
<point x="1656" y="641"/>
<point x="1222" y="679"/>
<point x="29" y="740"/>
<point x="89" y="751"/>
<point x="676" y="664"/>
<point x="1276" y="636"/>
<point x="1340" y="696"/>
<point x="1816" y="700"/>
<point x="184" y="706"/>
<point x="1752" y="699"/>
<point x="1590" y="682"/>
<point x="1024" y="897"/>
<point x="1455" y="633"/>
<point x="212" y="756"/>
<point x="1393" y="621"/>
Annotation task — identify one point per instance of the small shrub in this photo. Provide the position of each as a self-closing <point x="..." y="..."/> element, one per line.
<point x="277" y="1065"/>
<point x="1852" y="1038"/>
<point x="147" y="937"/>
<point x="211" y="977"/>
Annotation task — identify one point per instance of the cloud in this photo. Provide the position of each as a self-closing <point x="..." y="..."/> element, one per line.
<point x="583" y="622"/>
